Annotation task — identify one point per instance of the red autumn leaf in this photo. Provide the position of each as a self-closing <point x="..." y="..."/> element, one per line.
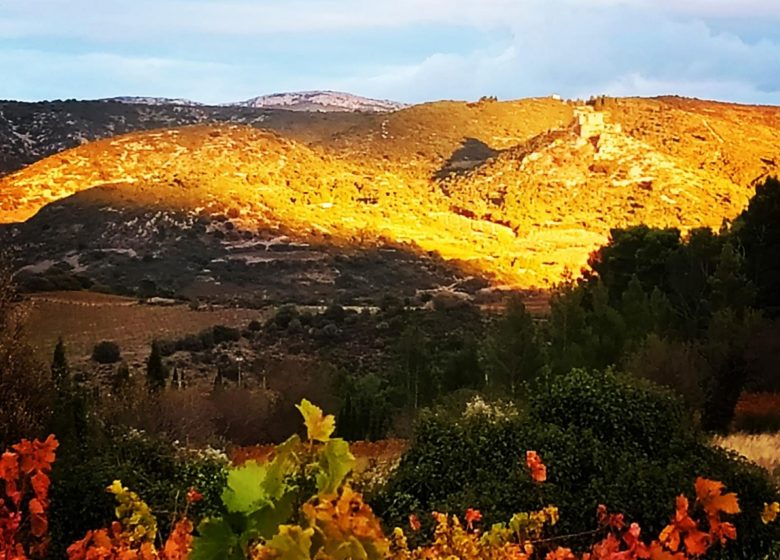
<point x="36" y="455"/>
<point x="40" y="484"/>
<point x="414" y="522"/>
<point x="193" y="496"/>
<point x="536" y="466"/>
<point x="9" y="467"/>
<point x="39" y="524"/>
<point x="472" y="516"/>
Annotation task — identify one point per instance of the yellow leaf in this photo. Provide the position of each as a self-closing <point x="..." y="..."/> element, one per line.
<point x="319" y="426"/>
<point x="770" y="512"/>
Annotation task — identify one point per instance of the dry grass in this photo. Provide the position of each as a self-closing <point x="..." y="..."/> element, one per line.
<point x="84" y="319"/>
<point x="763" y="449"/>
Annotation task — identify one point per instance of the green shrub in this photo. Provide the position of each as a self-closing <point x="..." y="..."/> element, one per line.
<point x="284" y="315"/>
<point x="225" y="334"/>
<point x="157" y="471"/>
<point x="106" y="352"/>
<point x="604" y="438"/>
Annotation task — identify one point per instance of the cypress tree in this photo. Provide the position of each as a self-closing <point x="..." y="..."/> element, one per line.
<point x="60" y="372"/>
<point x="156" y="372"/>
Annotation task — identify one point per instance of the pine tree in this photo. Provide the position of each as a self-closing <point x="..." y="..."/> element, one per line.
<point x="156" y="372"/>
<point x="635" y="307"/>
<point x="512" y="352"/>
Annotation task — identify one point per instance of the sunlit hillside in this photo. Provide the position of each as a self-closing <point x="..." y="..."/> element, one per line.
<point x="518" y="190"/>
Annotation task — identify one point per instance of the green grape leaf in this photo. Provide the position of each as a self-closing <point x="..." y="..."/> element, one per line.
<point x="285" y="452"/>
<point x="335" y="464"/>
<point x="318" y="426"/>
<point x="265" y="522"/>
<point x="292" y="542"/>
<point x="216" y="541"/>
<point x="246" y="491"/>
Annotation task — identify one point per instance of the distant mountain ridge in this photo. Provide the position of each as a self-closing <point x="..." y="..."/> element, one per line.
<point x="324" y="101"/>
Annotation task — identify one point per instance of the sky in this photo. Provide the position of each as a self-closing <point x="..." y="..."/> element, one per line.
<point x="218" y="51"/>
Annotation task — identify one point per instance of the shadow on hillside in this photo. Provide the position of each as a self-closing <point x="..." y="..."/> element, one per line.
<point x="471" y="153"/>
<point x="115" y="239"/>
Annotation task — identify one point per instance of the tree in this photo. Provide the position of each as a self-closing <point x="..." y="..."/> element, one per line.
<point x="513" y="355"/>
<point x="757" y="230"/>
<point x="462" y="368"/>
<point x="60" y="372"/>
<point x="416" y="378"/>
<point x="640" y="251"/>
<point x="724" y="348"/>
<point x="156" y="372"/>
<point x="567" y="325"/>
<point x="637" y="314"/>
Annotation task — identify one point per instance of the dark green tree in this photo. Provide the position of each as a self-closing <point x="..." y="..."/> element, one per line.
<point x="365" y="412"/>
<point x="156" y="372"/>
<point x="60" y="372"/>
<point x="462" y="368"/>
<point x="69" y="418"/>
<point x="757" y="230"/>
<point x="415" y="368"/>
<point x="513" y="355"/>
<point x="637" y="251"/>
<point x="568" y="332"/>
<point x="636" y="311"/>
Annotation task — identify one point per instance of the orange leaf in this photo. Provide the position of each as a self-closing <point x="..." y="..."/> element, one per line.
<point x="9" y="467"/>
<point x="710" y="496"/>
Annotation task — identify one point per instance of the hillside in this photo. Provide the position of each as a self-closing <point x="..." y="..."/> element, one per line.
<point x="32" y="131"/>
<point x="518" y="191"/>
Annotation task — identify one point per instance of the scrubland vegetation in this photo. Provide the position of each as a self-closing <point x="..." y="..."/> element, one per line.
<point x="585" y="433"/>
<point x="633" y="416"/>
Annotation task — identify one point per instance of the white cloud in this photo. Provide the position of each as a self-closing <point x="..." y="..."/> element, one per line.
<point x="580" y="52"/>
<point x="572" y="47"/>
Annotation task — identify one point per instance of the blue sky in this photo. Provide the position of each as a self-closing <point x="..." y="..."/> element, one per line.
<point x="407" y="50"/>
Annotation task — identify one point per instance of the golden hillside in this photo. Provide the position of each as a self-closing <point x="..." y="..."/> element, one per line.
<point x="519" y="190"/>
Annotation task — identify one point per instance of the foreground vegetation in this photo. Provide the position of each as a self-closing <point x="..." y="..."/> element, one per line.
<point x="612" y="400"/>
<point x="299" y="505"/>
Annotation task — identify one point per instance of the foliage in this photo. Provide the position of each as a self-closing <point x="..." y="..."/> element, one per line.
<point x="607" y="438"/>
<point x="132" y="536"/>
<point x="512" y="350"/>
<point x="24" y="501"/>
<point x="159" y="472"/>
<point x="25" y="385"/>
<point x="303" y="481"/>
<point x="156" y="372"/>
<point x="365" y="412"/>
<point x="106" y="352"/>
<point x="758" y="232"/>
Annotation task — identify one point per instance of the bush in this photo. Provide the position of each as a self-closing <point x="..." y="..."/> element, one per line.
<point x="157" y="471"/>
<point x="284" y="315"/>
<point x="106" y="352"/>
<point x="225" y="334"/>
<point x="605" y="439"/>
<point x="334" y="313"/>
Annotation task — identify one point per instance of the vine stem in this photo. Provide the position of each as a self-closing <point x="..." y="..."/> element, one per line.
<point x="569" y="536"/>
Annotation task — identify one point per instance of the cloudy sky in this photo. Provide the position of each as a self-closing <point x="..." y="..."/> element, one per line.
<point x="407" y="50"/>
